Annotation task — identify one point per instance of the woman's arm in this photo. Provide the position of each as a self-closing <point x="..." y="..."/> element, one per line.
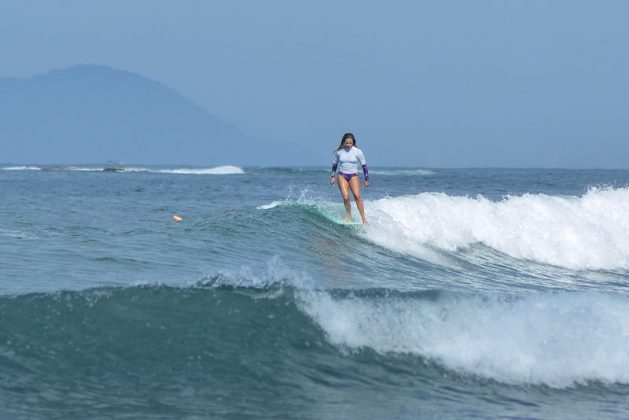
<point x="335" y="164"/>
<point x="363" y="163"/>
<point x="365" y="172"/>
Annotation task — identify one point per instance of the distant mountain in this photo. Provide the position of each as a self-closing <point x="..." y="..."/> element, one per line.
<point x="93" y="114"/>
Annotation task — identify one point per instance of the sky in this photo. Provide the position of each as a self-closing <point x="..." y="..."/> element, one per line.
<point x="506" y="83"/>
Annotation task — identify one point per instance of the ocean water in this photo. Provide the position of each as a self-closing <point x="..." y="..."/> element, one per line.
<point x="472" y="293"/>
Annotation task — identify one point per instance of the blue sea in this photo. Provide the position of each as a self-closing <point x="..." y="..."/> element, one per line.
<point x="488" y="293"/>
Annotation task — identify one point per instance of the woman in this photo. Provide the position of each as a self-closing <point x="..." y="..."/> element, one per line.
<point x="349" y="156"/>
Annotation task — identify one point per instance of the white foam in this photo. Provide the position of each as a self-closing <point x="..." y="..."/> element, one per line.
<point x="589" y="232"/>
<point x="557" y="340"/>
<point x="402" y="172"/>
<point x="84" y="169"/>
<point x="219" y="170"/>
<point x="132" y="169"/>
<point x="271" y="205"/>
<point x="298" y="197"/>
<point x="21" y="168"/>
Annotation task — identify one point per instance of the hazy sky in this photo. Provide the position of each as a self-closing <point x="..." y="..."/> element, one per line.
<point x="440" y="83"/>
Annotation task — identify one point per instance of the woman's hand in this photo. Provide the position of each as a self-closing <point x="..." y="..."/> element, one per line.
<point x="332" y="180"/>
<point x="366" y="183"/>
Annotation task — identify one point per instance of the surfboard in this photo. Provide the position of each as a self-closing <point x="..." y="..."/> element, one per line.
<point x="348" y="223"/>
<point x="336" y="215"/>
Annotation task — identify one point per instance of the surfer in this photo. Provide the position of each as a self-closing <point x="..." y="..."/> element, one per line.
<point x="349" y="156"/>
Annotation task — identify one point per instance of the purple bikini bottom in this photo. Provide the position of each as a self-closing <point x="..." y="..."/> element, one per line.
<point x="347" y="176"/>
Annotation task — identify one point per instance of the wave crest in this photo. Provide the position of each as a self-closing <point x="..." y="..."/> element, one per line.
<point x="588" y="232"/>
<point x="557" y="340"/>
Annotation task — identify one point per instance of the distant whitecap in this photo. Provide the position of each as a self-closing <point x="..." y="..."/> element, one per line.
<point x="219" y="170"/>
<point x="84" y="169"/>
<point x="402" y="172"/>
<point x="22" y="168"/>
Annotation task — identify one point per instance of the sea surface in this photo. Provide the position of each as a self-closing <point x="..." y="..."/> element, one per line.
<point x="488" y="293"/>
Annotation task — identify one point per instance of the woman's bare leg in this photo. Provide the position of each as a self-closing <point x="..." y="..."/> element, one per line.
<point x="354" y="185"/>
<point x="344" y="187"/>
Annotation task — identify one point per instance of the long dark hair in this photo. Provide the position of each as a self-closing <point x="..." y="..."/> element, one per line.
<point x="345" y="137"/>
